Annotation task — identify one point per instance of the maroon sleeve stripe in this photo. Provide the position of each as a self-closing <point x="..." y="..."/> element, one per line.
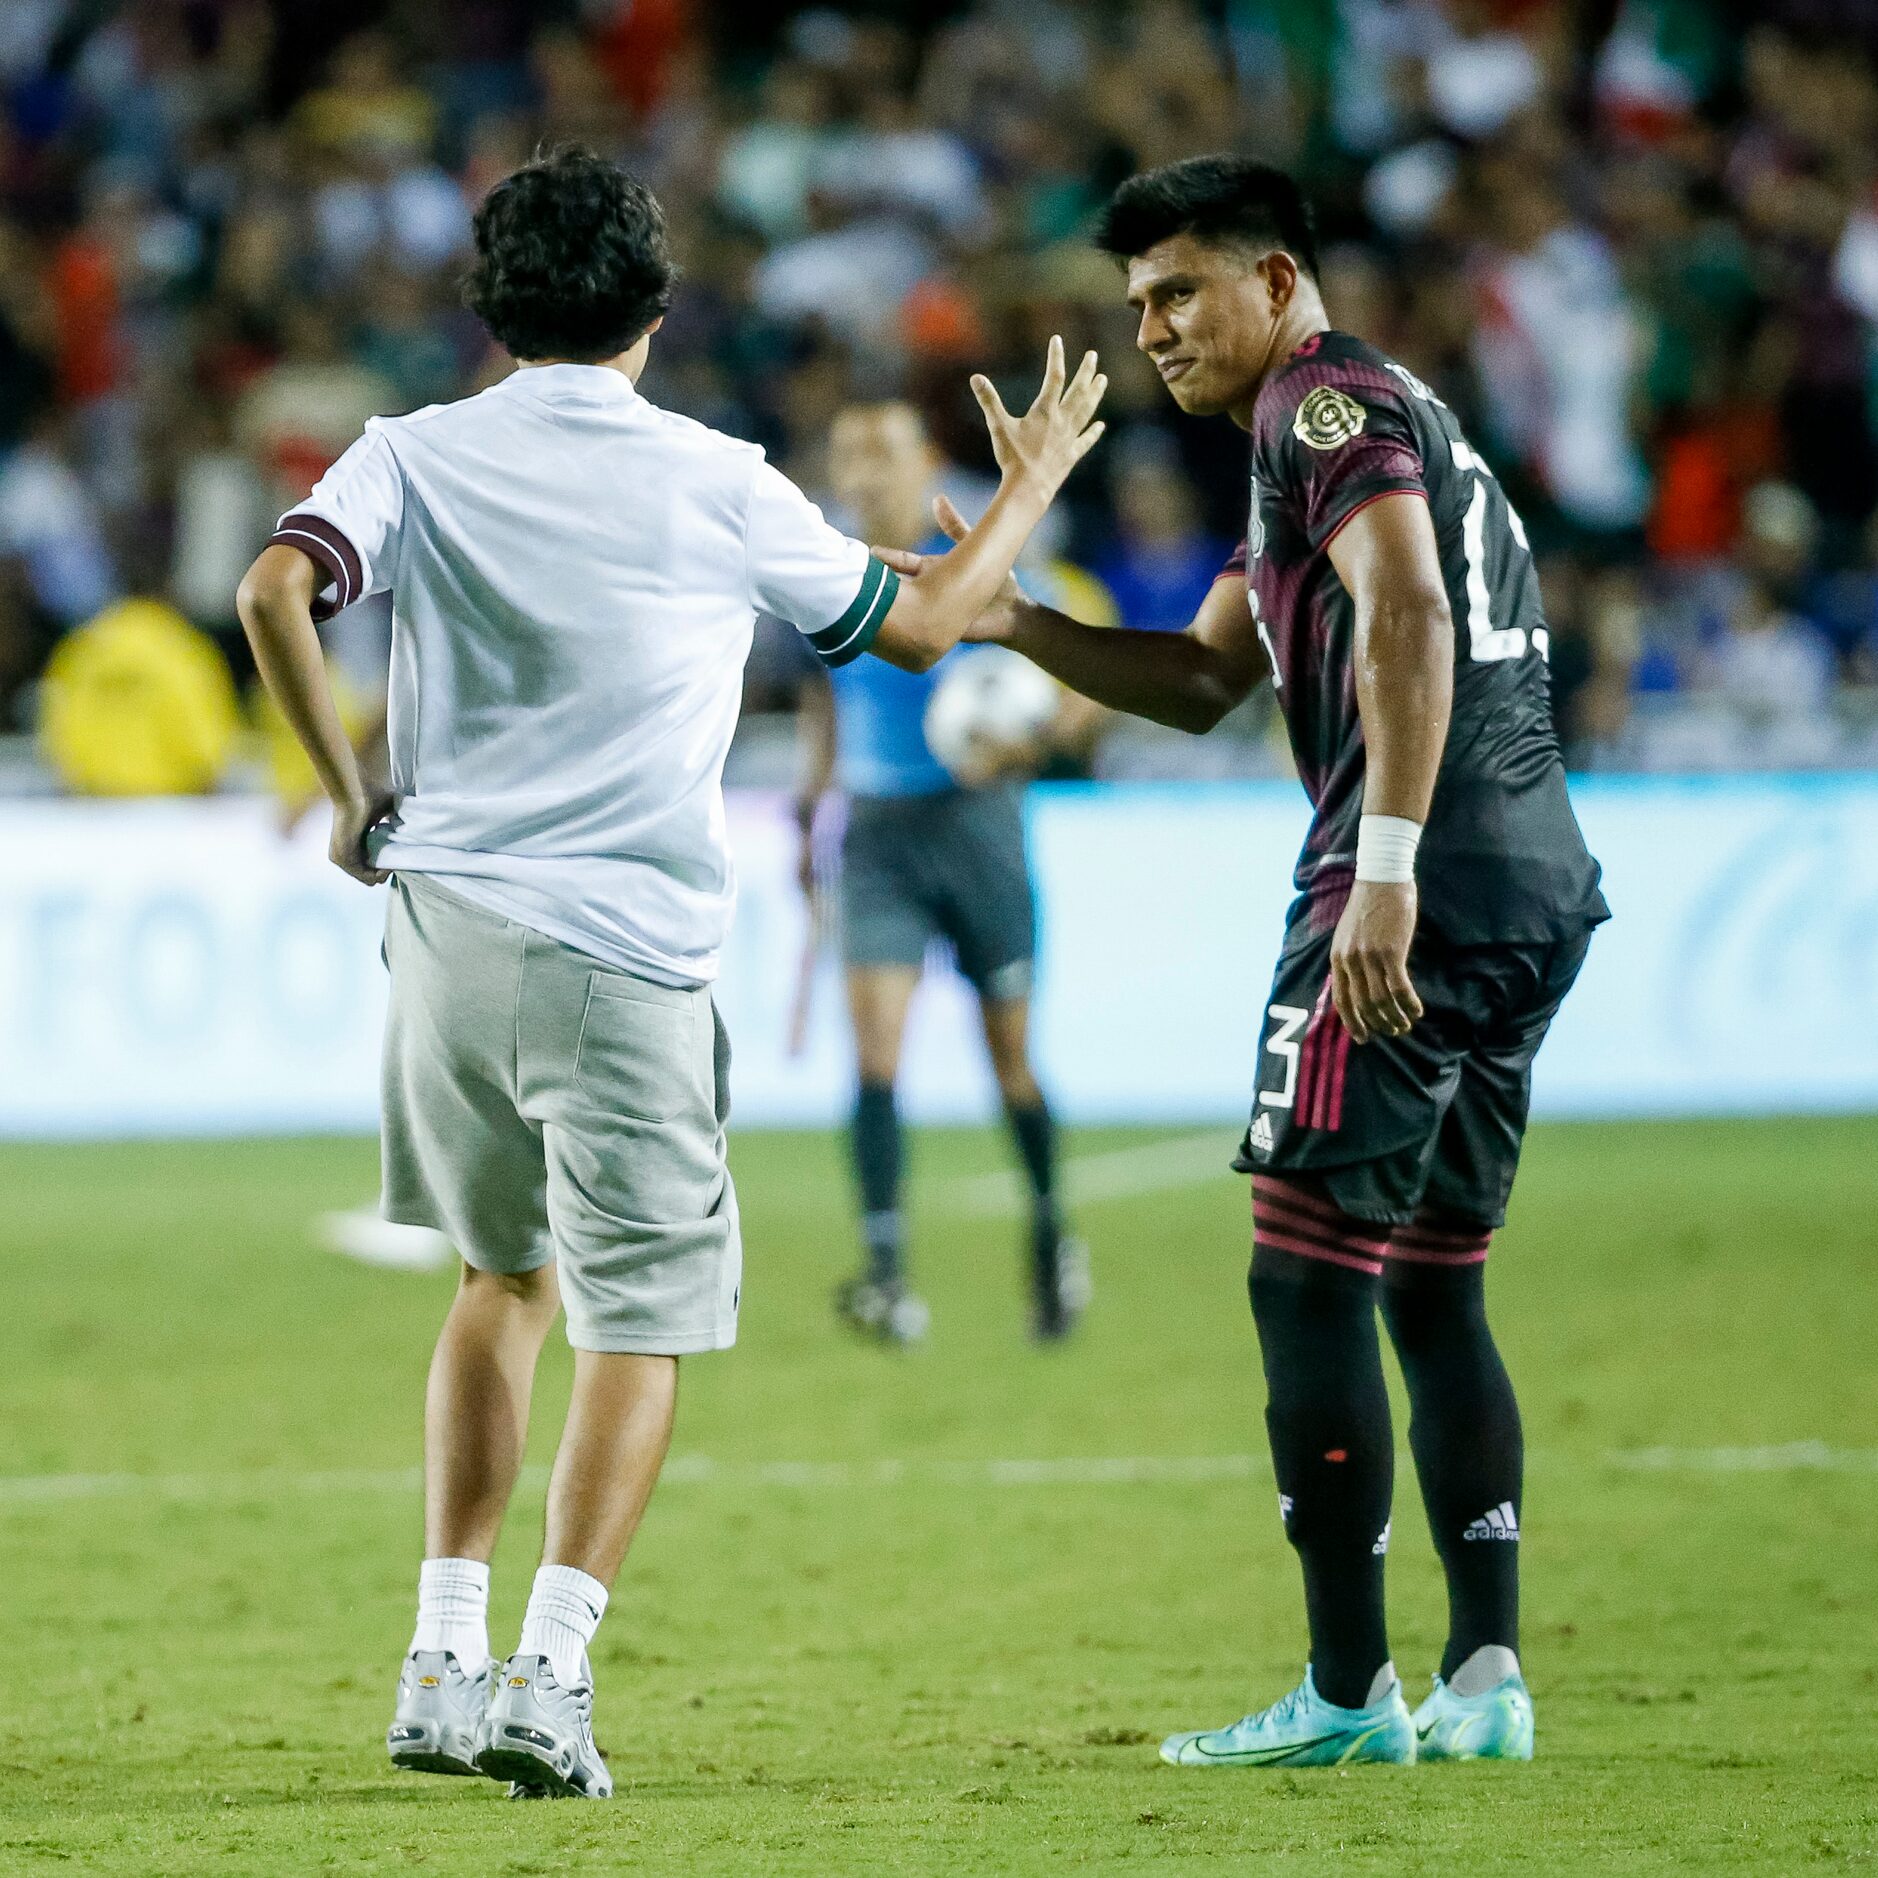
<point x="329" y="550"/>
<point x="1403" y="488"/>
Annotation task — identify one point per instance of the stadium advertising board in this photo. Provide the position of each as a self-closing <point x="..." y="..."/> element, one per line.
<point x="178" y="968"/>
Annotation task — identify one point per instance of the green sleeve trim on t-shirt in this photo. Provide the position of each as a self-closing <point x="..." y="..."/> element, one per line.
<point x="857" y="628"/>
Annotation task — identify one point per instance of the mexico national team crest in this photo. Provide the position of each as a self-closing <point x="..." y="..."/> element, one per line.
<point x="1328" y="417"/>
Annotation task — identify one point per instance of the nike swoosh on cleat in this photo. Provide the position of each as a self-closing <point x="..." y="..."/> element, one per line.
<point x="1259" y="1757"/>
<point x="1362" y="1740"/>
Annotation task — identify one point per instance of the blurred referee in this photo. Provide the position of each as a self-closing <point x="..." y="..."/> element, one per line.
<point x="924" y="858"/>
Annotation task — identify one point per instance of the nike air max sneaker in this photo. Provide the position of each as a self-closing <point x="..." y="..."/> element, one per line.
<point x="1495" y="1725"/>
<point x="439" y="1711"/>
<point x="1303" y="1730"/>
<point x="540" y="1736"/>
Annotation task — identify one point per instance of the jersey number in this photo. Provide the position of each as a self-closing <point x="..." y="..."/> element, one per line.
<point x="1288" y="1020"/>
<point x="1486" y="642"/>
<point x="1265" y="639"/>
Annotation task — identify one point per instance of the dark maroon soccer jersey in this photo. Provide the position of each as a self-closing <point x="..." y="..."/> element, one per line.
<point x="1335" y="428"/>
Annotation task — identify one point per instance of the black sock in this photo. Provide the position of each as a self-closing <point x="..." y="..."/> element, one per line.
<point x="1033" y="1128"/>
<point x="1327" y="1413"/>
<point x="875" y="1141"/>
<point x="1463" y="1431"/>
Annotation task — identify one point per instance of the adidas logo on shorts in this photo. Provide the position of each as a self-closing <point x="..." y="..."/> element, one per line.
<point x="1499" y="1522"/>
<point x="1262" y="1134"/>
<point x="1382" y="1541"/>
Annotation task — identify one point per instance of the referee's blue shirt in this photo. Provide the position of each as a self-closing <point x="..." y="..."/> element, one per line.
<point x="880" y="723"/>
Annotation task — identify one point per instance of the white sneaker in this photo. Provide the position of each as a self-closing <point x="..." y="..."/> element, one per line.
<point x="540" y="1736"/>
<point x="440" y="1707"/>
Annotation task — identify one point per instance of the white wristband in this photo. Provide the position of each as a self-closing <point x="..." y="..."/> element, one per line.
<point x="1385" y="847"/>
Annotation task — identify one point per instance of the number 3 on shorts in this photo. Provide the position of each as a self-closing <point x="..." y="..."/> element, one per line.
<point x="1288" y="1022"/>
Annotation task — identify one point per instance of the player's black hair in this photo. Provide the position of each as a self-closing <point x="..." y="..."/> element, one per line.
<point x="1216" y="199"/>
<point x="571" y="261"/>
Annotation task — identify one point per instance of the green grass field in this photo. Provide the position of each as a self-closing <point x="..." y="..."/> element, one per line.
<point x="855" y="1637"/>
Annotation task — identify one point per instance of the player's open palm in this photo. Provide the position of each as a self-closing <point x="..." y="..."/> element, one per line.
<point x="1369" y="977"/>
<point x="1058" y="430"/>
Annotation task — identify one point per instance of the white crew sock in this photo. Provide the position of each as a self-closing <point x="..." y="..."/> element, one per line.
<point x="453" y="1610"/>
<point x="564" y="1610"/>
<point x="1488" y="1667"/>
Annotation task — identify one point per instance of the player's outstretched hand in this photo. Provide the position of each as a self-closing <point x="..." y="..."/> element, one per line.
<point x="352" y="822"/>
<point x="1369" y="978"/>
<point x="1056" y="433"/>
<point x="995" y="624"/>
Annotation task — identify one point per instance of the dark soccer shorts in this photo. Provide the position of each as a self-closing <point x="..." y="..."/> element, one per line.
<point x="1432" y="1119"/>
<point x="948" y="866"/>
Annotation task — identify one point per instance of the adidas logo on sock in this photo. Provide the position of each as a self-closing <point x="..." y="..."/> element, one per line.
<point x="1499" y="1522"/>
<point x="1262" y="1134"/>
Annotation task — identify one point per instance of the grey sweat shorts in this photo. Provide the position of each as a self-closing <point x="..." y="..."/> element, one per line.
<point x="947" y="866"/>
<point x="541" y="1105"/>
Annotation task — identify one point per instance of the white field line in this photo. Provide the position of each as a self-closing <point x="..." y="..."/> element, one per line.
<point x="1792" y="1457"/>
<point x="1114" y="1174"/>
<point x="1797" y="1457"/>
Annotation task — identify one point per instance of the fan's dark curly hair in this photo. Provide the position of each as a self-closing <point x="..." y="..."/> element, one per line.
<point x="570" y="259"/>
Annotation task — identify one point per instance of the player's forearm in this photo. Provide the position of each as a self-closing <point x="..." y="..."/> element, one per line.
<point x="1171" y="678"/>
<point x="938" y="609"/>
<point x="1404" y="693"/>
<point x="287" y="654"/>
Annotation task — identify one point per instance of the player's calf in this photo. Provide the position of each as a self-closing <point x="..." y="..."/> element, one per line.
<point x="1464" y="1432"/>
<point x="1313" y="1287"/>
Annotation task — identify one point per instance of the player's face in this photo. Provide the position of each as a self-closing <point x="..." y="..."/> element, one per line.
<point x="879" y="461"/>
<point x="1208" y="316"/>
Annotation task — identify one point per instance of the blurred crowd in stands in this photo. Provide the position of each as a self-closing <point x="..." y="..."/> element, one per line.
<point x="1634" y="245"/>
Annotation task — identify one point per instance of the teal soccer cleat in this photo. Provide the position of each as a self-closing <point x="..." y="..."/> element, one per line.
<point x="1303" y="1730"/>
<point x="1495" y="1725"/>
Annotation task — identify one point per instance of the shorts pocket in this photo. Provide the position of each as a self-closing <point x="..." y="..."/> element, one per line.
<point x="638" y="1052"/>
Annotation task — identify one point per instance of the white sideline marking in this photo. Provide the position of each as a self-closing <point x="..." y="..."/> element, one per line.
<point x="1113" y="1174"/>
<point x="1117" y="1470"/>
<point x="1793" y="1457"/>
<point x="682" y="1469"/>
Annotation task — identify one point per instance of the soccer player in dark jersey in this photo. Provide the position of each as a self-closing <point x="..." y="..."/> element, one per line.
<point x="1445" y="901"/>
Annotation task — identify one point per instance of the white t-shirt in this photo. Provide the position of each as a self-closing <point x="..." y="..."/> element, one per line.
<point x="575" y="577"/>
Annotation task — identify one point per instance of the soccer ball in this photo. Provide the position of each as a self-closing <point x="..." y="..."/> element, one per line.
<point x="988" y="711"/>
